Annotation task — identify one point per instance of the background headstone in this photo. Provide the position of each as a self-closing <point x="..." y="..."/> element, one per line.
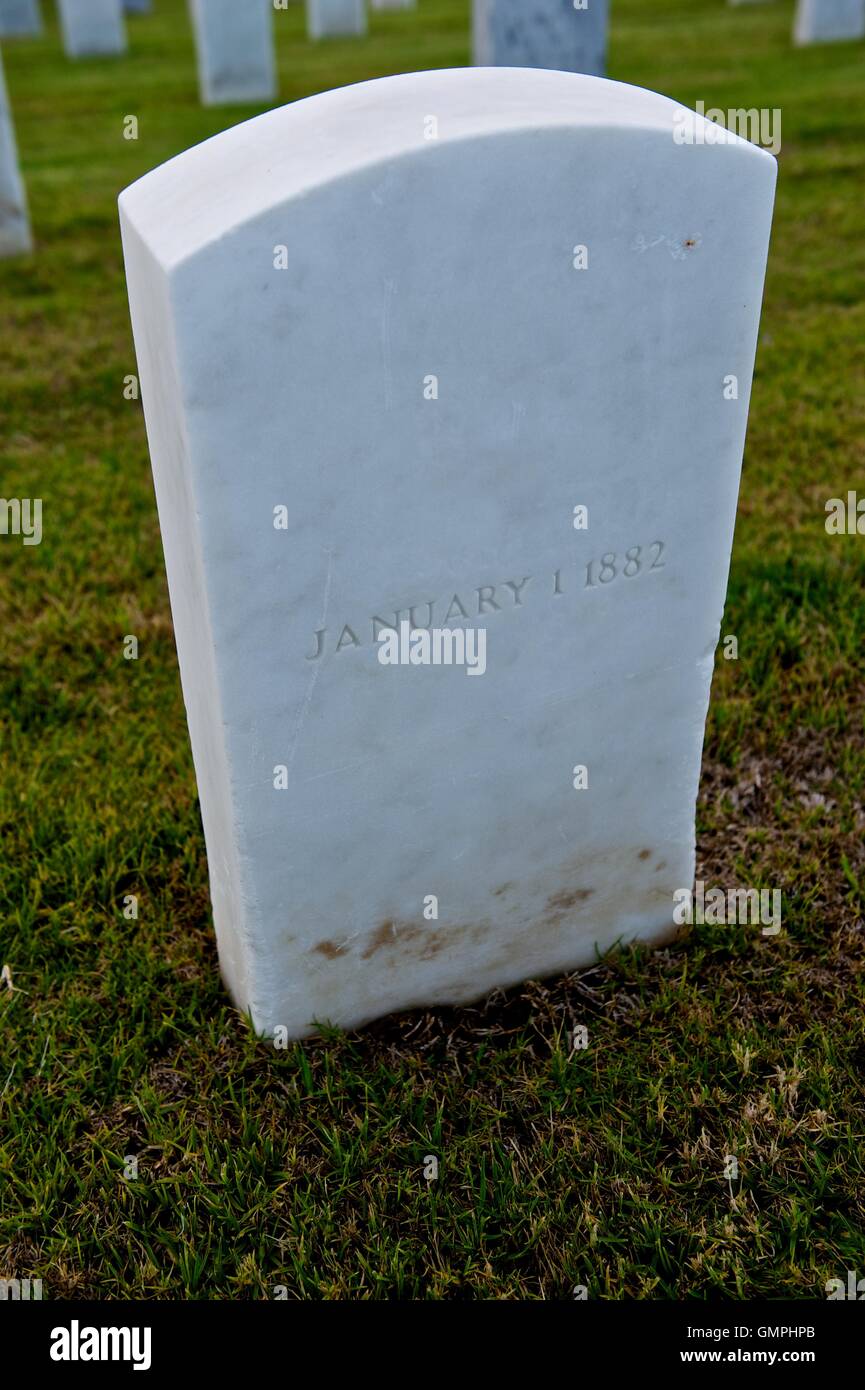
<point x="829" y="21"/>
<point x="334" y="18"/>
<point x="14" y="222"/>
<point x="389" y="339"/>
<point x="20" y="19"/>
<point x="137" y="6"/>
<point x="234" y="43"/>
<point x="541" y="34"/>
<point x="393" y="4"/>
<point x="92" y="28"/>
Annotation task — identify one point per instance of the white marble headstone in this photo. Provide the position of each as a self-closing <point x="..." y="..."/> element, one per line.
<point x="541" y="34"/>
<point x="92" y="28"/>
<point x="234" y="43"/>
<point x="14" y="222"/>
<point x="332" y="18"/>
<point x="391" y="340"/>
<point x="393" y="4"/>
<point x="828" y="21"/>
<point x="20" y="19"/>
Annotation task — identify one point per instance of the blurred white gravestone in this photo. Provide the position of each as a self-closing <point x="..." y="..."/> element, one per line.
<point x="829" y="21"/>
<point x="137" y="6"/>
<point x="14" y="222"/>
<point x="393" y="4"/>
<point x="541" y="34"/>
<point x="464" y="351"/>
<point x="20" y="19"/>
<point x="234" y="43"/>
<point x="332" y="18"/>
<point x="92" y="28"/>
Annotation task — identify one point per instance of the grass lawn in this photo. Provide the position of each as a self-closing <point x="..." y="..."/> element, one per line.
<point x="257" y="1168"/>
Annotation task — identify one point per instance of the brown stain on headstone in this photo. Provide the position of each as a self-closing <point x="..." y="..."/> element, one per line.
<point x="330" y="949"/>
<point x="402" y="940"/>
<point x="384" y="935"/>
<point x="568" y="898"/>
<point x="396" y="942"/>
<point x="399" y="940"/>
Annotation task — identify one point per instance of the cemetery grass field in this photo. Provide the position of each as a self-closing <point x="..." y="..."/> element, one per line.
<point x="303" y="1168"/>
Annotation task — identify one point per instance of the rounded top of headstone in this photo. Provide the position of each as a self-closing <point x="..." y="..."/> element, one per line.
<point x="204" y="193"/>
